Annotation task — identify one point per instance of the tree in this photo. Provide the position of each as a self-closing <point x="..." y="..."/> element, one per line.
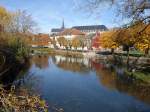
<point x="21" y="21"/>
<point x="76" y="43"/>
<point x="82" y="41"/>
<point x="16" y="22"/>
<point x="69" y="42"/>
<point x="62" y="41"/>
<point x="53" y="41"/>
<point x="135" y="9"/>
<point x="129" y="37"/>
<point x="5" y="18"/>
<point x="144" y="43"/>
<point x="89" y="38"/>
<point x="107" y="40"/>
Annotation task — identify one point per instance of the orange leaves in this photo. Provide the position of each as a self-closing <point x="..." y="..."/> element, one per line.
<point x="107" y="40"/>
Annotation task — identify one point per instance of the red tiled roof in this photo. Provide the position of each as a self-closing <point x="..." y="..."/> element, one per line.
<point x="71" y="31"/>
<point x="40" y="40"/>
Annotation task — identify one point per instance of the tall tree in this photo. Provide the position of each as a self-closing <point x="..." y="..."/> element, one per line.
<point x="107" y="40"/>
<point x="5" y="18"/>
<point x="136" y="9"/>
<point x="62" y="42"/>
<point x="76" y="43"/>
<point x="22" y="22"/>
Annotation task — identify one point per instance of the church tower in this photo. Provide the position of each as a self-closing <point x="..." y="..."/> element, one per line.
<point x="63" y="25"/>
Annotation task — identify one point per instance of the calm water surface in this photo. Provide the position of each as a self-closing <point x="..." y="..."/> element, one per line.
<point x="84" y="85"/>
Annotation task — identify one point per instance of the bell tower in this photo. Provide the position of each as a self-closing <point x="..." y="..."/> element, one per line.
<point x="63" y="25"/>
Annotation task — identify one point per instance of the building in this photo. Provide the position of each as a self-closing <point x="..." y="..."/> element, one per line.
<point x="91" y="28"/>
<point x="88" y="29"/>
<point x="90" y="34"/>
<point x="69" y="34"/>
<point x="55" y="31"/>
<point x="96" y="42"/>
<point x="39" y="40"/>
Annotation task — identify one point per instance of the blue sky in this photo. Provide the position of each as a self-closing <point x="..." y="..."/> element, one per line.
<point x="50" y="13"/>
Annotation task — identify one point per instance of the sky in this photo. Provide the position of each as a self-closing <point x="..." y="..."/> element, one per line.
<point x="49" y="14"/>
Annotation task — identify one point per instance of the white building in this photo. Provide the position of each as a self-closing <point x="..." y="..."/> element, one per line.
<point x="91" y="28"/>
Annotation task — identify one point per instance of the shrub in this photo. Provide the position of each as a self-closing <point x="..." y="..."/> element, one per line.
<point x="16" y="44"/>
<point x="12" y="102"/>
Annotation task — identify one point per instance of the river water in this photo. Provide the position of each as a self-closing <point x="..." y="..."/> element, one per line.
<point x="84" y="85"/>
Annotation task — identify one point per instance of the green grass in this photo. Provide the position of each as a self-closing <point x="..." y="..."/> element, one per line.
<point x="132" y="53"/>
<point x="144" y="77"/>
<point x="47" y="50"/>
<point x="58" y="52"/>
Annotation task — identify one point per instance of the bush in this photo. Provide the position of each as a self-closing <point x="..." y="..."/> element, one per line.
<point x="15" y="44"/>
<point x="12" y="102"/>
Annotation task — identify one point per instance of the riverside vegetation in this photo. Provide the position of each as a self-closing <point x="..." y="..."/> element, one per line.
<point x="14" y="54"/>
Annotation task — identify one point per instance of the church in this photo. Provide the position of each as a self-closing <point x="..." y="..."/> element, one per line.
<point x="87" y="29"/>
<point x="89" y="33"/>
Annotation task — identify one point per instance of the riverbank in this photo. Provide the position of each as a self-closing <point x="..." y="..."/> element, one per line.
<point x="83" y="78"/>
<point x="66" y="53"/>
<point x="12" y="96"/>
<point x="136" y="63"/>
<point x="143" y="77"/>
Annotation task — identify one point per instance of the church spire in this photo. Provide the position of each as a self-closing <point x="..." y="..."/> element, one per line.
<point x="63" y="25"/>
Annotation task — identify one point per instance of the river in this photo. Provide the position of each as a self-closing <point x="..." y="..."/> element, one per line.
<point x="84" y="85"/>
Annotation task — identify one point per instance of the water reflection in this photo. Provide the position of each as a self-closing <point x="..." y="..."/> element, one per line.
<point x="72" y="64"/>
<point x="40" y="61"/>
<point x="113" y="78"/>
<point x="51" y="79"/>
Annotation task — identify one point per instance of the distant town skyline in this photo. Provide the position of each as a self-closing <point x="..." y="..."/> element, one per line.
<point x="50" y="13"/>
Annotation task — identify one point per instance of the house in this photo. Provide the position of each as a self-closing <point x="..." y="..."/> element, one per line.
<point x="96" y="42"/>
<point x="40" y="40"/>
<point x="69" y="34"/>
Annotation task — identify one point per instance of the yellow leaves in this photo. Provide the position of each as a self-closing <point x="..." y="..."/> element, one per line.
<point x="144" y="38"/>
<point x="76" y="42"/>
<point x="107" y="40"/>
<point x="4" y="16"/>
<point x="3" y="12"/>
<point x="21" y="103"/>
<point x="18" y="21"/>
<point x="137" y="35"/>
<point x="62" y="41"/>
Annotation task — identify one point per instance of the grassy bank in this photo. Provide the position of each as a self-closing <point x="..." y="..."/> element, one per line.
<point x="42" y="50"/>
<point x="57" y="52"/>
<point x="69" y="53"/>
<point x="140" y="76"/>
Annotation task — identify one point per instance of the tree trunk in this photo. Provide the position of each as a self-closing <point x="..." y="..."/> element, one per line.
<point x="147" y="51"/>
<point x="112" y="50"/>
<point x="128" y="58"/>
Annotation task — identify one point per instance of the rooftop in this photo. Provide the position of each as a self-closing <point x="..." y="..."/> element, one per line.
<point x="57" y="30"/>
<point x="71" y="31"/>
<point x="91" y="27"/>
